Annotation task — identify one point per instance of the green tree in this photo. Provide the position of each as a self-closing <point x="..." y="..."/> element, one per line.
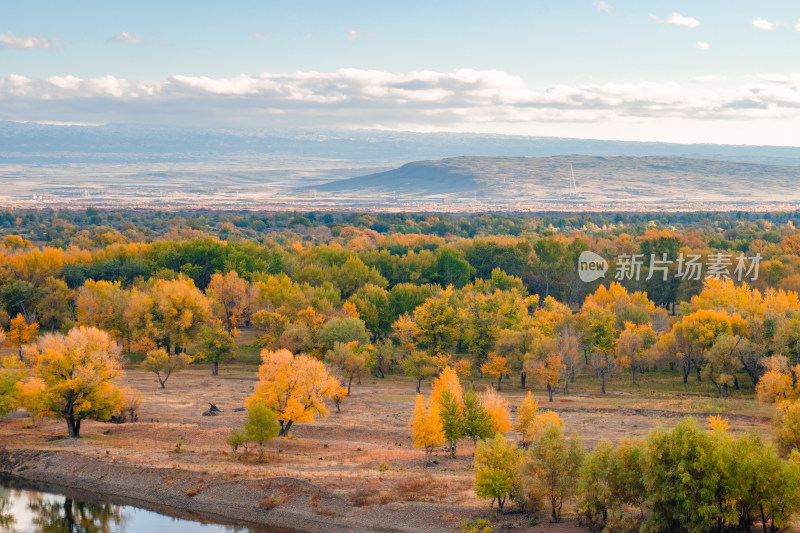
<point x="261" y="425"/>
<point x="216" y="345"/>
<point x="597" y="482"/>
<point x="551" y="468"/>
<point x="342" y="330"/>
<point x="452" y="415"/>
<point x="438" y="321"/>
<point x="684" y="475"/>
<point x="163" y="365"/>
<point x="496" y="463"/>
<point x="477" y="420"/>
<point x="53" y="302"/>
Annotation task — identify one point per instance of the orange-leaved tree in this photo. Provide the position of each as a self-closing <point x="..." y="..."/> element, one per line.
<point x="497" y="407"/>
<point x="294" y="386"/>
<point x="496" y="366"/>
<point x="78" y="372"/>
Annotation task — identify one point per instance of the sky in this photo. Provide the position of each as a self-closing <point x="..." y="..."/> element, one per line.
<point x="711" y="71"/>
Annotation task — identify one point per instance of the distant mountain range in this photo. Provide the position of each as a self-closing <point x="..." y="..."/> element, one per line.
<point x="619" y="178"/>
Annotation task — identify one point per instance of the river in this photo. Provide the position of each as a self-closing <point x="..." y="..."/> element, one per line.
<point x="26" y="509"/>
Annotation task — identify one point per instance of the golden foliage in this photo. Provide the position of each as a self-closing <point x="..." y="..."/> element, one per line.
<point x="497" y="407"/>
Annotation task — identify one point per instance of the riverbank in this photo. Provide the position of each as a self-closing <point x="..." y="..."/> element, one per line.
<point x="283" y="505"/>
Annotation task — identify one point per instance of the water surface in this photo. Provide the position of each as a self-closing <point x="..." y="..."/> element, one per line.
<point x="27" y="510"/>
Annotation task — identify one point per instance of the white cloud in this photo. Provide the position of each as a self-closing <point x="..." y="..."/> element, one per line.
<point x="797" y="26"/>
<point x="463" y="100"/>
<point x="676" y="19"/>
<point x="352" y="34"/>
<point x="10" y="40"/>
<point x="602" y="6"/>
<point x="702" y="45"/>
<point x="762" y="24"/>
<point x="127" y="37"/>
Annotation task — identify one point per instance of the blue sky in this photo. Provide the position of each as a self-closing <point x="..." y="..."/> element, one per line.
<point x="708" y="71"/>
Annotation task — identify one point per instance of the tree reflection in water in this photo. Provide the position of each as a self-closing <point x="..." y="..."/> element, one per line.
<point x="6" y="518"/>
<point x="51" y="516"/>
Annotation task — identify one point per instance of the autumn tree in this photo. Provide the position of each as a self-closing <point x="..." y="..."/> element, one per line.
<point x="21" y="333"/>
<point x="12" y="372"/>
<point x="351" y="359"/>
<point x="230" y="297"/>
<point x="216" y="345"/>
<point x="426" y="427"/>
<point x="777" y="384"/>
<point x="78" y="371"/>
<point x="496" y="464"/>
<point x="102" y="304"/>
<point x="420" y="365"/>
<point x="496" y="366"/>
<point x="294" y="386"/>
<point x="497" y="407"/>
<point x="526" y="414"/>
<point x="723" y="362"/>
<point x="163" y="365"/>
<point x="180" y="311"/>
<point x="599" y="338"/>
<point x="632" y="346"/>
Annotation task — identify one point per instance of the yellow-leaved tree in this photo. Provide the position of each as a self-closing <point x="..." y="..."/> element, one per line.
<point x="231" y="296"/>
<point x="21" y="333"/>
<point x="294" y="386"/>
<point x="426" y="427"/>
<point x="526" y="414"/>
<point x="78" y="372"/>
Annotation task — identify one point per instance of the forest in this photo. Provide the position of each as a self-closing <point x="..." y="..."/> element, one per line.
<point x="483" y="320"/>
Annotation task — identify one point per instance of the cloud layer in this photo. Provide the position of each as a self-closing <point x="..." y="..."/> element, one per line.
<point x="462" y="99"/>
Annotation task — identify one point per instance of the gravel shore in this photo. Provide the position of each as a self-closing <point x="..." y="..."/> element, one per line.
<point x="277" y="505"/>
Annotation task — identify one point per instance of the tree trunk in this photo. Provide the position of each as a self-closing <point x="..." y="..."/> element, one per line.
<point x="215" y="370"/>
<point x="634" y="374"/>
<point x="686" y="370"/>
<point x="20" y="352"/>
<point x="522" y="378"/>
<point x="499" y="382"/>
<point x="566" y="386"/>
<point x="550" y="392"/>
<point x="73" y="427"/>
<point x="285" y="427"/>
<point x="419" y="384"/>
<point x="603" y="382"/>
<point x="698" y="373"/>
<point x="351" y="381"/>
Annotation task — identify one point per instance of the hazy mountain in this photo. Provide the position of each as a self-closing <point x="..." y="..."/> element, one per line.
<point x="598" y="178"/>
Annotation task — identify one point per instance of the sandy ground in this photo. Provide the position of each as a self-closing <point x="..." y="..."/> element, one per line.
<point x="352" y="471"/>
